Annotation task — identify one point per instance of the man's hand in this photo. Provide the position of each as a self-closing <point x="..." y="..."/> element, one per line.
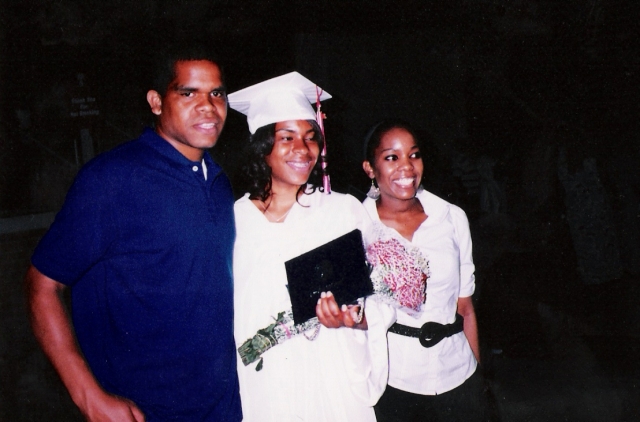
<point x="110" y="408"/>
<point x="54" y="331"/>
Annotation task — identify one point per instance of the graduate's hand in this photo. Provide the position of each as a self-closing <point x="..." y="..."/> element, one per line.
<point x="333" y="316"/>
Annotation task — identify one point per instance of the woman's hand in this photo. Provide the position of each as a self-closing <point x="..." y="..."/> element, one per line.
<point x="470" y="328"/>
<point x="333" y="316"/>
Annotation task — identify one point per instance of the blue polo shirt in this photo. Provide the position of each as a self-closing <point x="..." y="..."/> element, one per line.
<point x="145" y="243"/>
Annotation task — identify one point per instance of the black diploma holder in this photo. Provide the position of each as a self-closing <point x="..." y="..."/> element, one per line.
<point x="339" y="266"/>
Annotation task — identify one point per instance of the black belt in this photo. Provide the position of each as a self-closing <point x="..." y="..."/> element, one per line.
<point x="431" y="333"/>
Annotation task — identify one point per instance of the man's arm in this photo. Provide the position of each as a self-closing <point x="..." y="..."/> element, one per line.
<point x="53" y="330"/>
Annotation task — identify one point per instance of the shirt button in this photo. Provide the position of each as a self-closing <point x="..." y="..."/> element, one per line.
<point x="194" y="168"/>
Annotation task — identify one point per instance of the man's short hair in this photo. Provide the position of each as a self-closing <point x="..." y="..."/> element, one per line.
<point x="164" y="69"/>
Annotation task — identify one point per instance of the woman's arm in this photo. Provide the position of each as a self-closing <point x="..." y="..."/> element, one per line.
<point x="470" y="328"/>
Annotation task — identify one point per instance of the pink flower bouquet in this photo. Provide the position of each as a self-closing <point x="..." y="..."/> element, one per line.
<point x="399" y="274"/>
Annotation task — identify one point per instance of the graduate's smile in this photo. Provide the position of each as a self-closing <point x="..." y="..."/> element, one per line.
<point x="294" y="154"/>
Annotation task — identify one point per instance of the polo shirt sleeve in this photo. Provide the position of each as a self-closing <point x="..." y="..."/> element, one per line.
<point x="82" y="230"/>
<point x="463" y="239"/>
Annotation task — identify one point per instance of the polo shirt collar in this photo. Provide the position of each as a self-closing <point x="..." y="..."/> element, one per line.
<point x="151" y="138"/>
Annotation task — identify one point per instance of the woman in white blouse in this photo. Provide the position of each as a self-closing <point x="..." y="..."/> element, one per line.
<point x="433" y="372"/>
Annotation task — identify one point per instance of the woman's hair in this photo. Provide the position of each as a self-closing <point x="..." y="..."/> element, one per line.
<point x="257" y="173"/>
<point x="375" y="134"/>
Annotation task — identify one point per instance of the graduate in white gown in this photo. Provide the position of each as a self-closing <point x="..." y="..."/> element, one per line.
<point x="322" y="374"/>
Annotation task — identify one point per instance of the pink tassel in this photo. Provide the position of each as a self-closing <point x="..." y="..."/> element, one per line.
<point x="326" y="181"/>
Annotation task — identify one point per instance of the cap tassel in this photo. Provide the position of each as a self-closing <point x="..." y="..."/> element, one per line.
<point x="326" y="181"/>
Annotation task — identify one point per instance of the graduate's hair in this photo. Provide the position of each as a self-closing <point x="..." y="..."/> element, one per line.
<point x="256" y="171"/>
<point x="375" y="134"/>
<point x="164" y="68"/>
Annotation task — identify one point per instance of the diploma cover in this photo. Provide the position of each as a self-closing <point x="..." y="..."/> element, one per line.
<point x="339" y="266"/>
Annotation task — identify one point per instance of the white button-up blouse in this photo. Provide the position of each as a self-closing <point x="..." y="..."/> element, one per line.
<point x="444" y="239"/>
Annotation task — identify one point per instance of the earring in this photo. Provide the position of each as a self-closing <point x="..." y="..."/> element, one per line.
<point x="374" y="191"/>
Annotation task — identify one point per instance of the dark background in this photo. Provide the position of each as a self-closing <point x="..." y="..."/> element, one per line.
<point x="528" y="113"/>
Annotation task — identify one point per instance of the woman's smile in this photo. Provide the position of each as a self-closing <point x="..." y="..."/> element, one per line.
<point x="398" y="165"/>
<point x="294" y="154"/>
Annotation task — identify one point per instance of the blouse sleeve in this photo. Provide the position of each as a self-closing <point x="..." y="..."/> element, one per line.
<point x="365" y="353"/>
<point x="463" y="239"/>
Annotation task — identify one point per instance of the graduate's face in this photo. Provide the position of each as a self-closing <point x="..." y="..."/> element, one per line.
<point x="294" y="154"/>
<point x="397" y="166"/>
<point x="192" y="113"/>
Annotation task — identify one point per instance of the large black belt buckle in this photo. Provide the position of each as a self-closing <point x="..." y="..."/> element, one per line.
<point x="431" y="333"/>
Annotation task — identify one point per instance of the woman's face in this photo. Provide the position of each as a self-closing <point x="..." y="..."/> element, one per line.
<point x="397" y="165"/>
<point x="294" y="154"/>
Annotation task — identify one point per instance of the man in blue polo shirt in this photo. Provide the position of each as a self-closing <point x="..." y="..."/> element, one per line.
<point x="144" y="241"/>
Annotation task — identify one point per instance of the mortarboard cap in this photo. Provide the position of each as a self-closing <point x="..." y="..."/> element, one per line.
<point x="286" y="97"/>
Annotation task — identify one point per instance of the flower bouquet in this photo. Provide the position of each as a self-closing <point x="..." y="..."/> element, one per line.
<point x="399" y="273"/>
<point x="281" y="329"/>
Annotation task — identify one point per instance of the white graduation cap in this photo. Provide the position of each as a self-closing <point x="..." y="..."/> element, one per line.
<point x="286" y="97"/>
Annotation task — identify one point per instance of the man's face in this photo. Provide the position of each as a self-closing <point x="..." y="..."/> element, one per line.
<point x="193" y="111"/>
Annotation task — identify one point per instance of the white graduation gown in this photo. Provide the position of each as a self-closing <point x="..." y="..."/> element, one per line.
<point x="341" y="374"/>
